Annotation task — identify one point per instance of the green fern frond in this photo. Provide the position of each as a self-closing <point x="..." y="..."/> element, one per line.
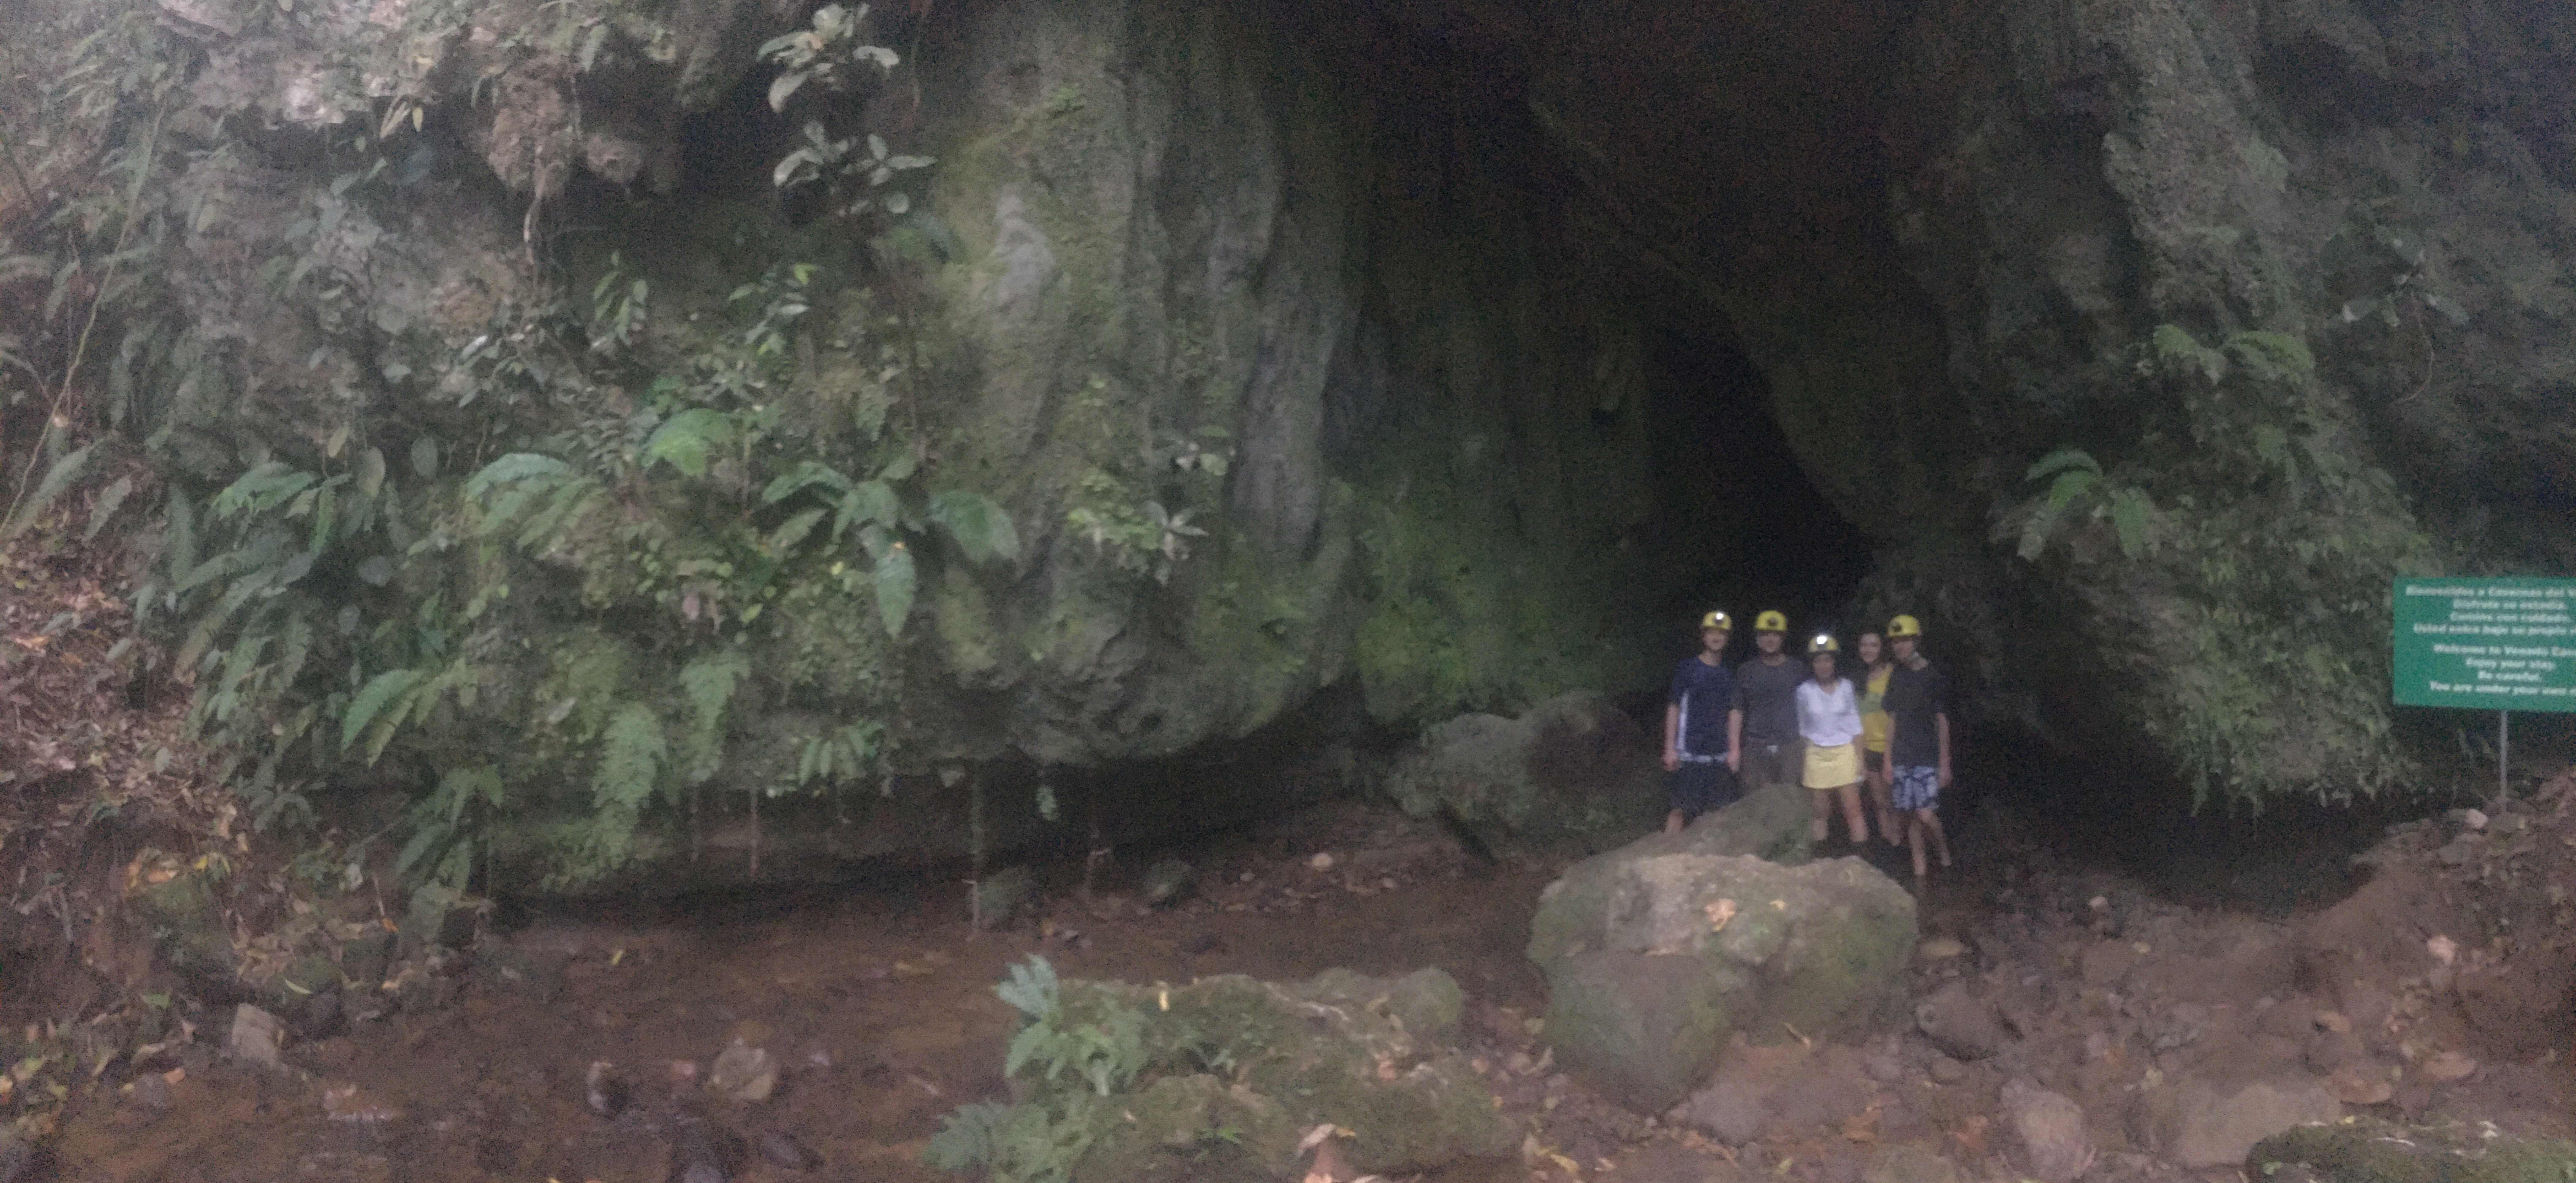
<point x="633" y="752"/>
<point x="708" y="683"/>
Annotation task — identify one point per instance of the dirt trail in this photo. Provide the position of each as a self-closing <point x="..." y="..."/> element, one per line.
<point x="877" y="1003"/>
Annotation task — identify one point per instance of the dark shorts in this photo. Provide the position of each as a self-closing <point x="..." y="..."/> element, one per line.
<point x="1698" y="788"/>
<point x="1767" y="763"/>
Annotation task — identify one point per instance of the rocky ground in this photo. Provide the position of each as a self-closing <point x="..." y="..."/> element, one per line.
<point x="2069" y="1023"/>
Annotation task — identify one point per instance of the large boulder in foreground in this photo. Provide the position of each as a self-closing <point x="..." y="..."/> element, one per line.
<point x="1657" y="952"/>
<point x="1570" y="778"/>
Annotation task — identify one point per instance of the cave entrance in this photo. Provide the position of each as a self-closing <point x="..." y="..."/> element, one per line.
<point x="1742" y="526"/>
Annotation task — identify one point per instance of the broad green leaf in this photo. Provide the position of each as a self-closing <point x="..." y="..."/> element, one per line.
<point x="685" y="439"/>
<point x="981" y="527"/>
<point x="424" y="457"/>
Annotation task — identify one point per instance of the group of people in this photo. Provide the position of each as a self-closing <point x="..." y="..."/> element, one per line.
<point x="1770" y="721"/>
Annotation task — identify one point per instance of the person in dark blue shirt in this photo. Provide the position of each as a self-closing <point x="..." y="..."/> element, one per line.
<point x="1695" y="727"/>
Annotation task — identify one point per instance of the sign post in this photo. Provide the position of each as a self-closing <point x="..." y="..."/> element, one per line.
<point x="2503" y="645"/>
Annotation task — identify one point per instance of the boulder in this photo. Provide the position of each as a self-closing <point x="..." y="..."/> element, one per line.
<point x="1571" y="778"/>
<point x="1656" y="953"/>
<point x="2368" y="1150"/>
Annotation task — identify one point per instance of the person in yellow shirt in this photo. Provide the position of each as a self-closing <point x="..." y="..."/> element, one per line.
<point x="1876" y="665"/>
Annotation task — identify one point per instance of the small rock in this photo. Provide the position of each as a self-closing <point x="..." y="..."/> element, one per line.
<point x="2051" y="1129"/>
<point x="2470" y="819"/>
<point x="743" y="1073"/>
<point x="1947" y="1071"/>
<point x="2334" y="1021"/>
<point x="2361" y="1083"/>
<point x="2457" y="852"/>
<point x="2508" y="825"/>
<point x="1939" y="949"/>
<point x="256" y="1036"/>
<point x="345" y="1102"/>
<point x="1885" y="1069"/>
<point x="703" y="1152"/>
<point x="1167" y="882"/>
<point x="1960" y="1023"/>
<point x="1730" y="1111"/>
<point x="2445" y="1067"/>
<point x="782" y="1149"/>
<point x="1908" y="1164"/>
<point x="603" y="1090"/>
<point x="1323" y="861"/>
<point x="2330" y="1050"/>
<point x="150" y="1091"/>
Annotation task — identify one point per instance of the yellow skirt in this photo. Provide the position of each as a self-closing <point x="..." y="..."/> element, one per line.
<point x="1832" y="768"/>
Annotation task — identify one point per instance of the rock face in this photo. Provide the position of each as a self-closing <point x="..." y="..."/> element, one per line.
<point x="1656" y="953"/>
<point x="1224" y="360"/>
<point x="1571" y="778"/>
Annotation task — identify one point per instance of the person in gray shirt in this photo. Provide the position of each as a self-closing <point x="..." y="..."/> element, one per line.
<point x="1762" y="730"/>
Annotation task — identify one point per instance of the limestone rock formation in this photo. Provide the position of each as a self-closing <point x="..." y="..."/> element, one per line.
<point x="1657" y="952"/>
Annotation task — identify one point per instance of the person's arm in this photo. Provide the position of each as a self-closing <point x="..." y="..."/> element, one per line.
<point x="1941" y="731"/>
<point x="1735" y="740"/>
<point x="1672" y="736"/>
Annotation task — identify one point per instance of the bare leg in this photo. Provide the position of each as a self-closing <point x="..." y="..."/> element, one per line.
<point x="1852" y="817"/>
<point x="1673" y="822"/>
<point x="1882" y="792"/>
<point x="1824" y="811"/>
<point x="1940" y="841"/>
<point x="1914" y="841"/>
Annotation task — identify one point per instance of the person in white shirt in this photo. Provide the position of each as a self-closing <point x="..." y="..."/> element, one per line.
<point x="1829" y="720"/>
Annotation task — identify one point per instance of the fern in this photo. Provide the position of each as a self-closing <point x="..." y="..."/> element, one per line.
<point x="709" y="684"/>
<point x="372" y="698"/>
<point x="57" y="478"/>
<point x="633" y="753"/>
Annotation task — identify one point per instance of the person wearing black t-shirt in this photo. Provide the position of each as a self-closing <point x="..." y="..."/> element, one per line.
<point x="1762" y="730"/>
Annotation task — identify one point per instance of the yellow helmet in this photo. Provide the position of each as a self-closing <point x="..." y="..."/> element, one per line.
<point x="1824" y="643"/>
<point x="1904" y="626"/>
<point x="1717" y="620"/>
<point x="1771" y="622"/>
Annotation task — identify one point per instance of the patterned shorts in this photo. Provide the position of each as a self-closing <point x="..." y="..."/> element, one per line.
<point x="1917" y="787"/>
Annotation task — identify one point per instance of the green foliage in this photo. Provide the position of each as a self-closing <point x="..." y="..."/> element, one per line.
<point x="832" y="56"/>
<point x="2246" y="599"/>
<point x="2075" y="480"/>
<point x="1041" y="1139"/>
<point x="708" y="683"/>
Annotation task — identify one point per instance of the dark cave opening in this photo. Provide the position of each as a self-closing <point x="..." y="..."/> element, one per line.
<point x="1738" y="518"/>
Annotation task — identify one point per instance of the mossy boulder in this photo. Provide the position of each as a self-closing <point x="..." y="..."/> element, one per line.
<point x="183" y="917"/>
<point x="1656" y="953"/>
<point x="1571" y="777"/>
<point x="1234" y="1068"/>
<point x="2368" y="1150"/>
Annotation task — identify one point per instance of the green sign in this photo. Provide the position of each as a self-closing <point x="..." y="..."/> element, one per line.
<point x="2487" y="644"/>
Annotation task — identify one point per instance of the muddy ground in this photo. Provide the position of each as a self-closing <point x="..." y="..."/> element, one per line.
<point x="2416" y="998"/>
